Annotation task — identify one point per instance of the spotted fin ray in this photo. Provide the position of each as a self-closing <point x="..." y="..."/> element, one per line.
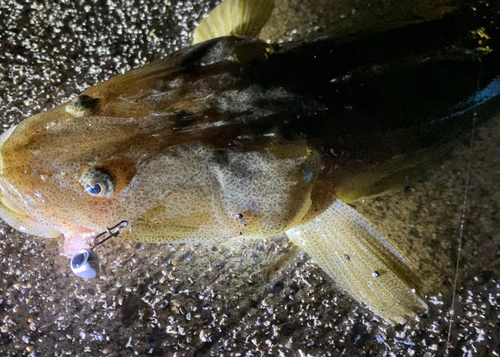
<point x="243" y="18"/>
<point x="352" y="252"/>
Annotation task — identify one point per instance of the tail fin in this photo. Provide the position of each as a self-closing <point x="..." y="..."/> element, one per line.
<point x="243" y="18"/>
<point x="352" y="252"/>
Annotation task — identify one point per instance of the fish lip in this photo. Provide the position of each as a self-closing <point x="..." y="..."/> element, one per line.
<point x="73" y="241"/>
<point x="3" y="138"/>
<point x="12" y="213"/>
<point x="18" y="219"/>
<point x="46" y="229"/>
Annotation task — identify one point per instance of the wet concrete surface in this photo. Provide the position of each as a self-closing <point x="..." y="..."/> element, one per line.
<point x="245" y="298"/>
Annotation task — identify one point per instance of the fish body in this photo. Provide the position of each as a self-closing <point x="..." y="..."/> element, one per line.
<point x="236" y="137"/>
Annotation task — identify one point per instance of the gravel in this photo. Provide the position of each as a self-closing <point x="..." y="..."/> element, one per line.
<point x="245" y="298"/>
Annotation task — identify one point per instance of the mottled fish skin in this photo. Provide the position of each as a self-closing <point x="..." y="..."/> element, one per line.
<point x="235" y="137"/>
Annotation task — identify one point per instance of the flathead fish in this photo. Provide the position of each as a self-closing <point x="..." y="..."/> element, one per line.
<point x="235" y="137"/>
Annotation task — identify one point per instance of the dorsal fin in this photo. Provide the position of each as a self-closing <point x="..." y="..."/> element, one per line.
<point x="244" y="18"/>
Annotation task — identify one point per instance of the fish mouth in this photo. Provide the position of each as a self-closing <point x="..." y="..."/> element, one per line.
<point x="12" y="214"/>
<point x="19" y="220"/>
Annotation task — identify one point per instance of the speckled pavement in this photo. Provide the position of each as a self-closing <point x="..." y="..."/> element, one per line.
<point x="246" y="298"/>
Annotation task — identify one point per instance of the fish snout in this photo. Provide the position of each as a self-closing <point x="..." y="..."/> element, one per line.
<point x="14" y="215"/>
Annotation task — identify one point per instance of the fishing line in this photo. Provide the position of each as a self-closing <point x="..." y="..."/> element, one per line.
<point x="461" y="234"/>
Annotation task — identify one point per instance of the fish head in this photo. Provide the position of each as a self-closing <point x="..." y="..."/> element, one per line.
<point x="77" y="175"/>
<point x="49" y="162"/>
<point x="176" y="148"/>
<point x="115" y="153"/>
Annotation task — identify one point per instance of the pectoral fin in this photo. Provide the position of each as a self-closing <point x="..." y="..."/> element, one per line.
<point x="349" y="249"/>
<point x="244" y="18"/>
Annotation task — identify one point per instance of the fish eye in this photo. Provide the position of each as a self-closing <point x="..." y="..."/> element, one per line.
<point x="97" y="182"/>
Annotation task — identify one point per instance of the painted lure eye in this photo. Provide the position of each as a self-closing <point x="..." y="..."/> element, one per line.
<point x="97" y="182"/>
<point x="85" y="264"/>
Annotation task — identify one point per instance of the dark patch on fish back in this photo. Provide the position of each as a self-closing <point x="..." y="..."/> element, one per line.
<point x="184" y="119"/>
<point x="220" y="157"/>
